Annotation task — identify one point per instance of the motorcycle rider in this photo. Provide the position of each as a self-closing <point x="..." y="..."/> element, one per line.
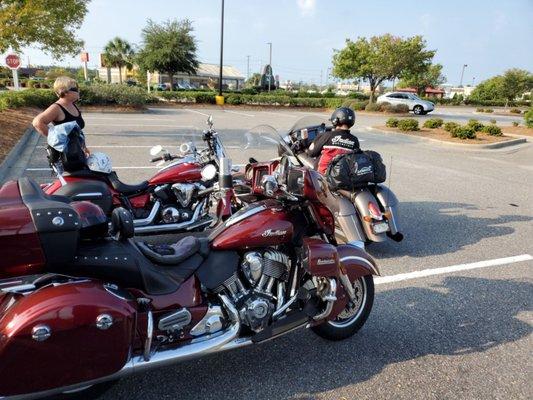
<point x="335" y="142"/>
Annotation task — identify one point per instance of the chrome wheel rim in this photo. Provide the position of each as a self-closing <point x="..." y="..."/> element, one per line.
<point x="353" y="310"/>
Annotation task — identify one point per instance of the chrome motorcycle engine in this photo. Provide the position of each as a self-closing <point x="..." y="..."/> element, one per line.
<point x="254" y="298"/>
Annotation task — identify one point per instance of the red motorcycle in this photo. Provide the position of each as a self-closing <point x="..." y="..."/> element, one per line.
<point x="79" y="308"/>
<point x="174" y="199"/>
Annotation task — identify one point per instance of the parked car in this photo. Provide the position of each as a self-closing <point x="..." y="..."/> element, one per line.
<point x="131" y="82"/>
<point x="161" y="86"/>
<point x="415" y="103"/>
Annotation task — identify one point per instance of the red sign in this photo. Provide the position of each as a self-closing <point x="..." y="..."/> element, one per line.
<point x="13" y="61"/>
<point x="84" y="57"/>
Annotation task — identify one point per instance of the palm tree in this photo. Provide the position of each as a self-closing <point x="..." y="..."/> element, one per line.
<point x="118" y="53"/>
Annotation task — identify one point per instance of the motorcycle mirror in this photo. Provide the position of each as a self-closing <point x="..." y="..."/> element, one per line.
<point x="185" y="148"/>
<point x="160" y="163"/>
<point x="209" y="172"/>
<point x="156" y="150"/>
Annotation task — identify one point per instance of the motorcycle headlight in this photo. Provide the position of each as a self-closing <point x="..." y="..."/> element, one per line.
<point x="209" y="172"/>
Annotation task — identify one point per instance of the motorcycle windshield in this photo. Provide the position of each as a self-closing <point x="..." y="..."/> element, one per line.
<point x="264" y="143"/>
<point x="309" y="121"/>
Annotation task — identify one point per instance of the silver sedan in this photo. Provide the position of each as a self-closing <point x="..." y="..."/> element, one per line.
<point x="415" y="103"/>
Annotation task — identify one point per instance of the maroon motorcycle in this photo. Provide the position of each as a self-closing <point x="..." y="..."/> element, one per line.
<point x="79" y="308"/>
<point x="172" y="200"/>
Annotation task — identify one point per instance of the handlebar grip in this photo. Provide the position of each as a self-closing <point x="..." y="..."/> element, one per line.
<point x="156" y="159"/>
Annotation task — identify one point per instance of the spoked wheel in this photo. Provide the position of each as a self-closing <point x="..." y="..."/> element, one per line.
<point x="418" y="110"/>
<point x="354" y="316"/>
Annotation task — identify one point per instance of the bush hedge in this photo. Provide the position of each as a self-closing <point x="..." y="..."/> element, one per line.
<point x="492" y="130"/>
<point x="528" y="118"/>
<point x="450" y="126"/>
<point x="433" y="123"/>
<point x="27" y="98"/>
<point x="408" y="124"/>
<point x="464" y="132"/>
<point x="372" y="107"/>
<point x="392" y="122"/>
<point x="124" y="95"/>
<point x="475" y="125"/>
<point x="516" y="123"/>
<point x="515" y="111"/>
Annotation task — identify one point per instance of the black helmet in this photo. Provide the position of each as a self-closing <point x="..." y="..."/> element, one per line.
<point x="343" y="116"/>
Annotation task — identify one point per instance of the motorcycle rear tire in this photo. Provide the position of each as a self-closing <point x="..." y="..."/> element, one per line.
<point x="339" y="329"/>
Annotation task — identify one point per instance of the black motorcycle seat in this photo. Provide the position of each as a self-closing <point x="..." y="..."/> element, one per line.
<point x="175" y="253"/>
<point x="122" y="263"/>
<point x="125" y="188"/>
<point x="111" y="178"/>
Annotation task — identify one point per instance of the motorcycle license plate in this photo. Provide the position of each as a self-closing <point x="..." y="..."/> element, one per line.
<point x="380" y="227"/>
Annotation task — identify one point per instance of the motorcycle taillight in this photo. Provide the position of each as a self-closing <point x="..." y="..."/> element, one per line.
<point x="374" y="211"/>
<point x="324" y="218"/>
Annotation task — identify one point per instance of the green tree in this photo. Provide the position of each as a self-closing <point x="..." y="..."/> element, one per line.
<point x="118" y="53"/>
<point x="49" y="25"/>
<point x="381" y="58"/>
<point x="509" y="86"/>
<point x="169" y="48"/>
<point x="253" y="81"/>
<point x="54" y="72"/>
<point x="430" y="77"/>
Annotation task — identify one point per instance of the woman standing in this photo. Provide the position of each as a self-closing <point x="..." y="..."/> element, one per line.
<point x="63" y="110"/>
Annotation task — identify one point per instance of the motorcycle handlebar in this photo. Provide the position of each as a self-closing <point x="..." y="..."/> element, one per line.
<point x="206" y="191"/>
<point x="166" y="157"/>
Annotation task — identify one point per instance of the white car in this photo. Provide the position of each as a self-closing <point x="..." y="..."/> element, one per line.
<point x="415" y="103"/>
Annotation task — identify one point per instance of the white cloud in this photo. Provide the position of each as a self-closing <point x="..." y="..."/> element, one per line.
<point x="307" y="7"/>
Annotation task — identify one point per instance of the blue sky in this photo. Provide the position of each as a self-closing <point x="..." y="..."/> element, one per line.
<point x="490" y="36"/>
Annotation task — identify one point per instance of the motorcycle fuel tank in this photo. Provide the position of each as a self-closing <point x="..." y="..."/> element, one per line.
<point x="261" y="224"/>
<point x="179" y="172"/>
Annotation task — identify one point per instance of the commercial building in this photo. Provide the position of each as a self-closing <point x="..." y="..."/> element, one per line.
<point x="206" y="76"/>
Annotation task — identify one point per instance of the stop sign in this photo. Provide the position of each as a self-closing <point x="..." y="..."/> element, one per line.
<point x="13" y="61"/>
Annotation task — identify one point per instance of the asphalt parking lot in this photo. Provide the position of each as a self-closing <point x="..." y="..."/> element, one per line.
<point x="455" y="333"/>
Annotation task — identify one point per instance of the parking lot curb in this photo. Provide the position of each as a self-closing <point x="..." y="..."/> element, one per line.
<point x="14" y="154"/>
<point x="489" y="146"/>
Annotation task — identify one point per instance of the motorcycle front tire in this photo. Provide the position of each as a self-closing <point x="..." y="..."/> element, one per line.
<point x="343" y="328"/>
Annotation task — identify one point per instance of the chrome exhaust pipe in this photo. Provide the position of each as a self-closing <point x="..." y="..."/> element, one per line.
<point x="171" y="227"/>
<point x="148" y="220"/>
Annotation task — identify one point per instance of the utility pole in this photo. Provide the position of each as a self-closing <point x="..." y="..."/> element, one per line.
<point x="221" y="50"/>
<point x="462" y="74"/>
<point x="248" y="68"/>
<point x="321" y="79"/>
<point x="270" y="64"/>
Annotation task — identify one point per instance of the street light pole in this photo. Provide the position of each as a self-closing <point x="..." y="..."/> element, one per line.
<point x="248" y="67"/>
<point x="221" y="50"/>
<point x="270" y="64"/>
<point x="462" y="74"/>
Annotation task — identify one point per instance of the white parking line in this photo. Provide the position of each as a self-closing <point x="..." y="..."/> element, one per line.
<point x="454" y="268"/>
<point x="154" y="134"/>
<point x="239" y="113"/>
<point x="280" y="114"/>
<point x="196" y="112"/>
<point x="145" y="125"/>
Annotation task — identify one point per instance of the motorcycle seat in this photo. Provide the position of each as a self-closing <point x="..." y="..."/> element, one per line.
<point x="112" y="179"/>
<point x="175" y="253"/>
<point x="125" y="188"/>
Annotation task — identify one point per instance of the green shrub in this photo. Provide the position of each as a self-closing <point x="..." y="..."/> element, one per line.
<point x="475" y="125"/>
<point x="372" y="107"/>
<point x="249" y="91"/>
<point x="208" y="98"/>
<point x="385" y="106"/>
<point x="124" y="95"/>
<point x="489" y="110"/>
<point x="399" y="109"/>
<point x="392" y="122"/>
<point x="41" y="98"/>
<point x="333" y="103"/>
<point x="408" y="124"/>
<point x="516" y="123"/>
<point x="358" y="96"/>
<point x="464" y="132"/>
<point x="433" y="123"/>
<point x="355" y="105"/>
<point x="450" y="126"/>
<point x="33" y="84"/>
<point x="233" y="99"/>
<point x="515" y="111"/>
<point x="492" y="130"/>
<point x="480" y="110"/>
<point x="493" y="121"/>
<point x="528" y="118"/>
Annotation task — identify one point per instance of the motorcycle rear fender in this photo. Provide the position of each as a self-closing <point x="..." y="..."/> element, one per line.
<point x="361" y="200"/>
<point x="76" y="349"/>
<point x="389" y="202"/>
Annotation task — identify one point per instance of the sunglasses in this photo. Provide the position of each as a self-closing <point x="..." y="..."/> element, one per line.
<point x="75" y="89"/>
